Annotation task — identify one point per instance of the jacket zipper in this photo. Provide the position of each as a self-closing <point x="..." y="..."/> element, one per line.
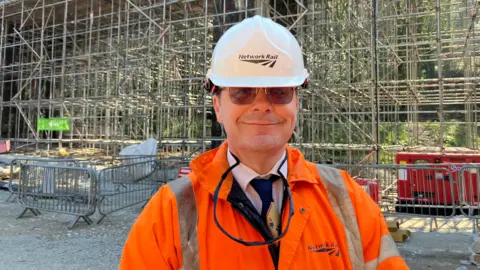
<point x="273" y="254"/>
<point x="274" y="257"/>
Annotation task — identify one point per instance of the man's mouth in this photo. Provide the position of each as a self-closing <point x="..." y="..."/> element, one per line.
<point x="261" y="124"/>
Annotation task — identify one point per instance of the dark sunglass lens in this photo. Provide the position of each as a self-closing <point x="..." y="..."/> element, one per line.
<point x="280" y="95"/>
<point x="242" y="95"/>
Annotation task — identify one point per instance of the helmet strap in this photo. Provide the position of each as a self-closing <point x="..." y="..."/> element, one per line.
<point x="208" y="85"/>
<point x="305" y="83"/>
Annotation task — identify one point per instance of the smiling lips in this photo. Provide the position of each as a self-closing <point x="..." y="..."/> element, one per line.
<point x="261" y="124"/>
<point x="257" y="119"/>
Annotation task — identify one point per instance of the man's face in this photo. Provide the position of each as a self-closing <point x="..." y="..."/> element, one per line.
<point x="257" y="126"/>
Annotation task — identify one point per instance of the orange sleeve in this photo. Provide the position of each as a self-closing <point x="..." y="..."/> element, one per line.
<point x="379" y="250"/>
<point x="154" y="238"/>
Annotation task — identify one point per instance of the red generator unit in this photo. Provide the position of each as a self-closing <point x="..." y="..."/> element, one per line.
<point x="370" y="186"/>
<point x="440" y="179"/>
<point x="183" y="171"/>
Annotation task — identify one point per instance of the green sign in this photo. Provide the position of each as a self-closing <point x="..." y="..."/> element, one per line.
<point x="56" y="124"/>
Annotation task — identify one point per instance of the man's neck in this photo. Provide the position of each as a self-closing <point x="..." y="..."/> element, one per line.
<point x="260" y="162"/>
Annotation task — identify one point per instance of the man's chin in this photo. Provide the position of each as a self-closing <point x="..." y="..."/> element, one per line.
<point x="263" y="142"/>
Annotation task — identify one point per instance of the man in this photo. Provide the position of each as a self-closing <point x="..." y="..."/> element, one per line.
<point x="254" y="202"/>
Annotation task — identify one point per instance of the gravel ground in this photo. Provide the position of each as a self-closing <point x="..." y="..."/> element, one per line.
<point x="45" y="242"/>
<point x="439" y="251"/>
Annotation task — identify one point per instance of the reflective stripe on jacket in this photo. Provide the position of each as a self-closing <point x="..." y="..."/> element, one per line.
<point x="335" y="225"/>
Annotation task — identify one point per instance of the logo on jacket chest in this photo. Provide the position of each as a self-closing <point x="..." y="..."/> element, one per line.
<point x="328" y="247"/>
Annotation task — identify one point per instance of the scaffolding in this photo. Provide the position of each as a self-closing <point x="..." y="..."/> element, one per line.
<point x="386" y="75"/>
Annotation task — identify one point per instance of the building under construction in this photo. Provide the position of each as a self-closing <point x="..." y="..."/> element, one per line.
<point x="386" y="75"/>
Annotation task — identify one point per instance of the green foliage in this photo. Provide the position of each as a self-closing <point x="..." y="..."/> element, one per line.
<point x="400" y="133"/>
<point x="430" y="132"/>
<point x="386" y="157"/>
<point x="455" y="135"/>
<point x="393" y="134"/>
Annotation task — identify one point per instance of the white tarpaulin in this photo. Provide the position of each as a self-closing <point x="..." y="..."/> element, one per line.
<point x="147" y="148"/>
<point x="141" y="154"/>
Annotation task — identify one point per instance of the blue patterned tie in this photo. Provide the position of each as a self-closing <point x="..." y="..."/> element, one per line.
<point x="269" y="213"/>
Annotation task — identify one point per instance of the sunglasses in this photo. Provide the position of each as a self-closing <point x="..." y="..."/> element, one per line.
<point x="246" y="95"/>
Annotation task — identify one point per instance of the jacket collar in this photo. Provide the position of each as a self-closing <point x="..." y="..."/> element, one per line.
<point x="211" y="165"/>
<point x="243" y="174"/>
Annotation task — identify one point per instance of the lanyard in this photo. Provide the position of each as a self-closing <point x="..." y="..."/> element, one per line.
<point x="255" y="243"/>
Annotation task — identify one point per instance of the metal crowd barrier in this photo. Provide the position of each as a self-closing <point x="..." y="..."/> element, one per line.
<point x="16" y="163"/>
<point x="410" y="190"/>
<point x="134" y="183"/>
<point x="79" y="187"/>
<point x="61" y="189"/>
<point x="468" y="192"/>
<point x="169" y="169"/>
<point x="126" y="185"/>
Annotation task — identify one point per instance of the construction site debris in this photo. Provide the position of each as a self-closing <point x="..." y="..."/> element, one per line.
<point x="5" y="172"/>
<point x="63" y="152"/>
<point x="398" y="235"/>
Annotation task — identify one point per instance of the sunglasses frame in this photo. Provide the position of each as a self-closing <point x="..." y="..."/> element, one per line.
<point x="257" y="89"/>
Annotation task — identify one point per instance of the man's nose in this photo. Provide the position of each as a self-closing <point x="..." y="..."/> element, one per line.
<point x="261" y="102"/>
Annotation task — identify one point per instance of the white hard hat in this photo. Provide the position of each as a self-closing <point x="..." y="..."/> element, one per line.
<point x="257" y="52"/>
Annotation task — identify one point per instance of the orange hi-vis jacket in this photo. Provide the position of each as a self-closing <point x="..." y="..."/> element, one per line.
<point x="336" y="225"/>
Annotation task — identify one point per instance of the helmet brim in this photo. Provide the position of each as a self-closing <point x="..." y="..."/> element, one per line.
<point x="258" y="81"/>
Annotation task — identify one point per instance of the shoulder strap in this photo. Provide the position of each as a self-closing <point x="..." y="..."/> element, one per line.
<point x="341" y="203"/>
<point x="187" y="221"/>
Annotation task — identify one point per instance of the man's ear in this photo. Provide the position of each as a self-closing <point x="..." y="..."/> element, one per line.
<point x="216" y="107"/>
